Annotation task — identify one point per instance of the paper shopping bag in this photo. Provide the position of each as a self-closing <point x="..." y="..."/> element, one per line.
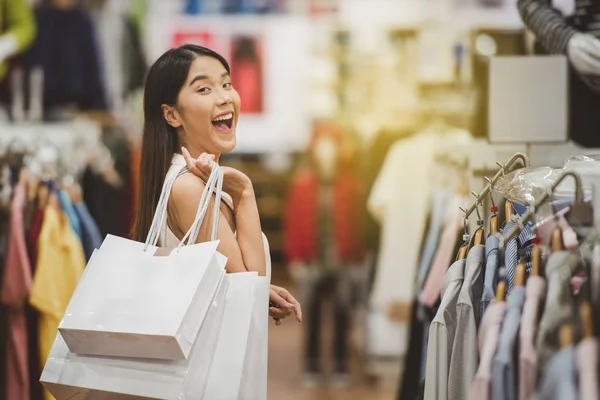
<point x="253" y="385"/>
<point x="71" y="376"/>
<point x="227" y="368"/>
<point x="133" y="303"/>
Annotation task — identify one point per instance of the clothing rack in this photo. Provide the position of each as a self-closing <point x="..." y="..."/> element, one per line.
<point x="501" y="172"/>
<point x="79" y="133"/>
<point x="541" y="201"/>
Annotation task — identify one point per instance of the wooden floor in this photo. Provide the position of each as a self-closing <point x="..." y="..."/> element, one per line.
<point x="286" y="367"/>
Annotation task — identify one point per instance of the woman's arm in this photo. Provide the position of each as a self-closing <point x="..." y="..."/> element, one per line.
<point x="249" y="232"/>
<point x="183" y="205"/>
<point x="246" y="251"/>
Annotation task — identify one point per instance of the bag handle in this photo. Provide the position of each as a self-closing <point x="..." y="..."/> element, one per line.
<point x="159" y="222"/>
<point x="217" y="188"/>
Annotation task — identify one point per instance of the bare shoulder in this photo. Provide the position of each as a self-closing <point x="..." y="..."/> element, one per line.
<point x="187" y="187"/>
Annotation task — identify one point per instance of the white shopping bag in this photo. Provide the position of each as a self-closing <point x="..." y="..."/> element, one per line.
<point x="254" y="373"/>
<point x="71" y="376"/>
<point x="226" y="371"/>
<point x="133" y="303"/>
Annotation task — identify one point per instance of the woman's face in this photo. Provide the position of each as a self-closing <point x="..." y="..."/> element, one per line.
<point x="207" y="109"/>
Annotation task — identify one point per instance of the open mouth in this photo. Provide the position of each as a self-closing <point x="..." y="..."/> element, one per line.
<point x="224" y="122"/>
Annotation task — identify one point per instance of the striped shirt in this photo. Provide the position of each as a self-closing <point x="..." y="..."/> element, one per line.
<point x="553" y="31"/>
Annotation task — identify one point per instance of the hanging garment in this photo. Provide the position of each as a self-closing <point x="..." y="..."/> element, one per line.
<point x="587" y="366"/>
<point x="4" y="313"/>
<point x="504" y="365"/>
<point x="517" y="248"/>
<point x="453" y="226"/>
<point x="16" y="285"/>
<point x="490" y="279"/>
<point x="90" y="234"/>
<point x="67" y="51"/>
<point x="441" y="335"/>
<point x="489" y="335"/>
<point x="559" y="380"/>
<point x="557" y="311"/>
<point x="534" y="299"/>
<point x="465" y="356"/>
<point x="60" y="264"/>
<point x="301" y="219"/>
<point x="33" y="316"/>
<point x="67" y="206"/>
<point x="438" y="210"/>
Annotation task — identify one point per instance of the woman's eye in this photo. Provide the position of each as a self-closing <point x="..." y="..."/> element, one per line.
<point x="228" y="85"/>
<point x="203" y="90"/>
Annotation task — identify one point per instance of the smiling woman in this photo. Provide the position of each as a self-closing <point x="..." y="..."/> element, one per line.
<point x="190" y="105"/>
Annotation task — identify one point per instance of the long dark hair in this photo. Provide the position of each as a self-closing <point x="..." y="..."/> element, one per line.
<point x="165" y="79"/>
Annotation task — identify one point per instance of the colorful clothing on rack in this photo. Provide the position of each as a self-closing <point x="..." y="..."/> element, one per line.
<point x="535" y="292"/>
<point x="504" y="365"/>
<point x="465" y="356"/>
<point x="91" y="237"/>
<point x="557" y="311"/>
<point x="490" y="279"/>
<point x="587" y="367"/>
<point x="441" y="335"/>
<point x="430" y="292"/>
<point x="489" y="335"/>
<point x="60" y="264"/>
<point x="16" y="285"/>
<point x="559" y="380"/>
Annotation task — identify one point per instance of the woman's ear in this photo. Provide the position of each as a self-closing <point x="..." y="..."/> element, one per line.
<point x="171" y="116"/>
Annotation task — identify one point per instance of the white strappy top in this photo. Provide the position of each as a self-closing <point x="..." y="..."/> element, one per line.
<point x="168" y="238"/>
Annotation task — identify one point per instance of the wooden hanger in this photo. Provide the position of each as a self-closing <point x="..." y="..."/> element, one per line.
<point x="566" y="335"/>
<point x="587" y="322"/>
<point x="501" y="290"/>
<point x="462" y="252"/>
<point x="508" y="211"/>
<point x="520" y="275"/>
<point x="536" y="259"/>
<point x="557" y="240"/>
<point x="494" y="224"/>
<point x="478" y="237"/>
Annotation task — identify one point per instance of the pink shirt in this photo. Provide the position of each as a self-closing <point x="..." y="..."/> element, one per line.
<point x="15" y="289"/>
<point x="443" y="257"/>
<point x="587" y="355"/>
<point x="489" y="332"/>
<point x="534" y="295"/>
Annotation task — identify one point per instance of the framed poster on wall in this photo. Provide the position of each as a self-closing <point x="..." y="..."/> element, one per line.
<point x="268" y="58"/>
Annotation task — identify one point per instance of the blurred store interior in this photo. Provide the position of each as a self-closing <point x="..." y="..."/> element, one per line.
<point x="356" y="116"/>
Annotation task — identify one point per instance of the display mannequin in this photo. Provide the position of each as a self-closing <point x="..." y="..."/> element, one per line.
<point x="323" y="244"/>
<point x="577" y="38"/>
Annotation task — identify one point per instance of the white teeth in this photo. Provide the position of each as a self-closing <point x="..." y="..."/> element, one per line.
<point x="224" y="117"/>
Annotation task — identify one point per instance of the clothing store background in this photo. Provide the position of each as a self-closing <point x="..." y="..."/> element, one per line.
<point x="365" y="125"/>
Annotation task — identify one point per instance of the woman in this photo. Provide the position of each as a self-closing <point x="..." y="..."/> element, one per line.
<point x="191" y="106"/>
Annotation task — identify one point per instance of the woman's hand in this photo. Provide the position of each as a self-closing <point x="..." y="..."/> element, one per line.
<point x="235" y="183"/>
<point x="284" y="304"/>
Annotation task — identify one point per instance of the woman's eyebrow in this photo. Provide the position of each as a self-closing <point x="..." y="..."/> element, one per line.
<point x="198" y="78"/>
<point x="203" y="77"/>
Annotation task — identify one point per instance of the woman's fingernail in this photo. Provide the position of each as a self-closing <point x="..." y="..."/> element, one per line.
<point x="291" y="305"/>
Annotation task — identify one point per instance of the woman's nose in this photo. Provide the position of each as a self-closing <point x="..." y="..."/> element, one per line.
<point x="225" y="99"/>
